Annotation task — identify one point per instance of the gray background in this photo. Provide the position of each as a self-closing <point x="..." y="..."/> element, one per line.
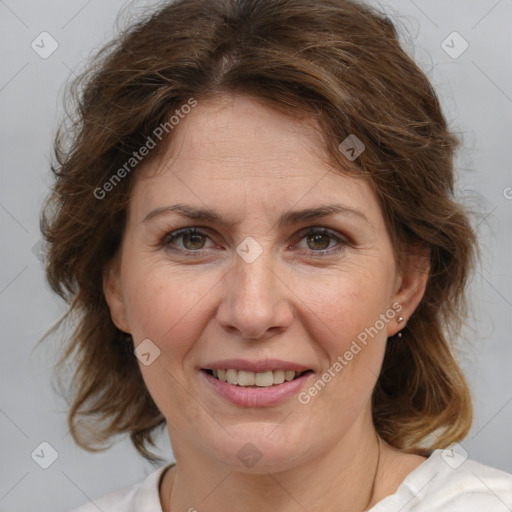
<point x="476" y="92"/>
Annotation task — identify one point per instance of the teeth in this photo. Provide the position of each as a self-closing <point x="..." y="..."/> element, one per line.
<point x="232" y="377"/>
<point x="260" y="379"/>
<point x="264" y="379"/>
<point x="244" y="378"/>
<point x="278" y="376"/>
<point x="289" y="374"/>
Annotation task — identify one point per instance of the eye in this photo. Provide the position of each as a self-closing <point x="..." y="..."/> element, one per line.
<point x="319" y="240"/>
<point x="193" y="240"/>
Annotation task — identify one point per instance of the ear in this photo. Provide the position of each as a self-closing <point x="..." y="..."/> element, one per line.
<point x="410" y="286"/>
<point x="113" y="294"/>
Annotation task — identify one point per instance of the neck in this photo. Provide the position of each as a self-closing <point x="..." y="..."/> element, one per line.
<point x="342" y="480"/>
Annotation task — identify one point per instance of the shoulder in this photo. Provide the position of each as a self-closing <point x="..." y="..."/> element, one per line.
<point x="120" y="500"/>
<point x="144" y="495"/>
<point x="449" y="481"/>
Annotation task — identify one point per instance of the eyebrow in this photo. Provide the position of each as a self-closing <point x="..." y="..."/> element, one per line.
<point x="288" y="218"/>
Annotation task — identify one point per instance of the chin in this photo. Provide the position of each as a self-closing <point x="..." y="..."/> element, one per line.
<point x="258" y="447"/>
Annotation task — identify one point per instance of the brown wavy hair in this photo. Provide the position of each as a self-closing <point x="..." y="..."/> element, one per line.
<point x="337" y="61"/>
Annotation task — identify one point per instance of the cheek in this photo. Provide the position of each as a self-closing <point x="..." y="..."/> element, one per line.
<point x="170" y="308"/>
<point x="343" y="315"/>
<point x="343" y="304"/>
<point x="167" y="305"/>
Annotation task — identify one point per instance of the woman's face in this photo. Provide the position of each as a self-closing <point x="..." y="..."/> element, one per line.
<point x="291" y="269"/>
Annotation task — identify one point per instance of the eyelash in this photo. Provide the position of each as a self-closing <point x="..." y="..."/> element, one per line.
<point x="173" y="235"/>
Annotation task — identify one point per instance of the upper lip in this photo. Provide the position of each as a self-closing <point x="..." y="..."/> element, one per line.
<point x="256" y="366"/>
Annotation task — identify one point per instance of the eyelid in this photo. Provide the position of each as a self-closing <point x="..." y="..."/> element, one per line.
<point x="204" y="231"/>
<point x="340" y="239"/>
<point x="176" y="233"/>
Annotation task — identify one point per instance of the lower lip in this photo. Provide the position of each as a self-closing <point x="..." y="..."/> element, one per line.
<point x="256" y="397"/>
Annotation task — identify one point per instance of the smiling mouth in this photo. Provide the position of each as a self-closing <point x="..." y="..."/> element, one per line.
<point x="247" y="379"/>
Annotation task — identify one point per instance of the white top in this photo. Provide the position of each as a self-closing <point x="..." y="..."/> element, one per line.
<point x="446" y="481"/>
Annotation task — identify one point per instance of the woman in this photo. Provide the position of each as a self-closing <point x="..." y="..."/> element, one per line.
<point x="254" y="225"/>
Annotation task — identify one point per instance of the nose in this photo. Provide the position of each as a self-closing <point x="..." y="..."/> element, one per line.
<point x="255" y="304"/>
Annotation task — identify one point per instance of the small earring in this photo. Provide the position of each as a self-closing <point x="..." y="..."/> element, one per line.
<point x="400" y="320"/>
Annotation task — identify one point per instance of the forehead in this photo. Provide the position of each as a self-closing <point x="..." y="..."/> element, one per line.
<point x="237" y="131"/>
<point x="235" y="150"/>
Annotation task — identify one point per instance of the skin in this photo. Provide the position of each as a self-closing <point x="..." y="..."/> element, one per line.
<point x="251" y="163"/>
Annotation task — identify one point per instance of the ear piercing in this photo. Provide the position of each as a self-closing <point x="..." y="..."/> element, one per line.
<point x="400" y="320"/>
